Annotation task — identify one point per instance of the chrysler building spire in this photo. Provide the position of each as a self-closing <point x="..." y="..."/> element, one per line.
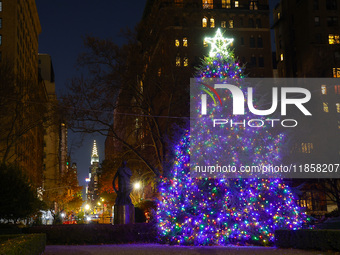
<point x="94" y="156"/>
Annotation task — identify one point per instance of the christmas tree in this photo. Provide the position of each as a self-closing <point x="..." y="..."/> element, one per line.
<point x="205" y="211"/>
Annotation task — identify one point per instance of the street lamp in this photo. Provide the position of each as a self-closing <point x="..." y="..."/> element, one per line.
<point x="137" y="185"/>
<point x="87" y="207"/>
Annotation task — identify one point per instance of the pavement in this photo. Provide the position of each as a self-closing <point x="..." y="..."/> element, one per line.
<point x="141" y="249"/>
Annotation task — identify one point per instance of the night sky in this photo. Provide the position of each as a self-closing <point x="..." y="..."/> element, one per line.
<point x="64" y="24"/>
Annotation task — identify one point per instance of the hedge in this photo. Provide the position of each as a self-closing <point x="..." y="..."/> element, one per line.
<point x="33" y="244"/>
<point x="96" y="233"/>
<point x="318" y="239"/>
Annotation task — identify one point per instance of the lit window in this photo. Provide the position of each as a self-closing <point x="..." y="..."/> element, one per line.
<point x="179" y="2"/>
<point x="278" y="15"/>
<point x="212" y="22"/>
<point x="338" y="107"/>
<point x="185" y="61"/>
<point x="306" y="147"/>
<point x="205" y="44"/>
<point x="223" y="24"/>
<point x="178" y="61"/>
<point x="336" y="72"/>
<point x="208" y="4"/>
<point x="324" y="89"/>
<point x="0" y="6"/>
<point x="281" y="57"/>
<point x="337" y="89"/>
<point x="325" y="107"/>
<point x="226" y="4"/>
<point x="236" y="4"/>
<point x="159" y="72"/>
<point x="231" y="23"/>
<point x="177" y="43"/>
<point x="204" y="22"/>
<point x="185" y="42"/>
<point x="333" y="39"/>
<point x="253" y="5"/>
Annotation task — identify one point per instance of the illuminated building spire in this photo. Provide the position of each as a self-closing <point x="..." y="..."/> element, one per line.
<point x="94" y="156"/>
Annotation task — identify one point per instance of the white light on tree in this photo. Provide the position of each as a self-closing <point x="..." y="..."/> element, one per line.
<point x="219" y="44"/>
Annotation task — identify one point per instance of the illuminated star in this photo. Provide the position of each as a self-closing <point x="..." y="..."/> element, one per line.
<point x="219" y="44"/>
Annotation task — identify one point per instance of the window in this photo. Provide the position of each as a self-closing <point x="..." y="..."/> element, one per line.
<point x="0" y="6"/>
<point x="223" y="24"/>
<point x="159" y="73"/>
<point x="331" y="4"/>
<point x="258" y="23"/>
<point x="177" y="43"/>
<point x="338" y="107"/>
<point x="185" y="42"/>
<point x="317" y="21"/>
<point x="236" y="4"/>
<point x="316" y="5"/>
<point x="325" y="107"/>
<point x="242" y="41"/>
<point x="178" y="61"/>
<point x="0" y="56"/>
<point x="323" y="89"/>
<point x="253" y="60"/>
<point x="185" y="61"/>
<point x="278" y="15"/>
<point x="205" y="44"/>
<point x="252" y="42"/>
<point x="332" y="21"/>
<point x="231" y="23"/>
<point x="250" y="23"/>
<point x="318" y="38"/>
<point x="179" y="2"/>
<point x="0" y="39"/>
<point x="259" y="42"/>
<point x="226" y="4"/>
<point x="336" y="72"/>
<point x="337" y="89"/>
<point x="253" y="5"/>
<point x="204" y="22"/>
<point x="261" y="61"/>
<point x="306" y="147"/>
<point x="241" y="22"/>
<point x="212" y="22"/>
<point x="281" y="57"/>
<point x="208" y="4"/>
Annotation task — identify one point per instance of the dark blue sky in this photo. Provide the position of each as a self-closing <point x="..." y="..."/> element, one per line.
<point x="64" y="23"/>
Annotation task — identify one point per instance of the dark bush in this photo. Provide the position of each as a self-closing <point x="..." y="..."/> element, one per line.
<point x="33" y="244"/>
<point x="318" y="239"/>
<point x="97" y="233"/>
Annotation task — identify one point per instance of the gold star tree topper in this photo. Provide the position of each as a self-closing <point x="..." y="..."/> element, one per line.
<point x="219" y="44"/>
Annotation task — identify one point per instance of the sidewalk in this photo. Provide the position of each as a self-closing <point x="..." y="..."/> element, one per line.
<point x="141" y="249"/>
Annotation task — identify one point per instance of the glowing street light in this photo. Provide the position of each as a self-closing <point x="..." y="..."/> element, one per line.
<point x="63" y="215"/>
<point x="137" y="185"/>
<point x="87" y="207"/>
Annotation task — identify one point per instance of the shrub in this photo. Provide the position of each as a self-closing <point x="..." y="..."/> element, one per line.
<point x="319" y="239"/>
<point x="97" y="233"/>
<point x="32" y="244"/>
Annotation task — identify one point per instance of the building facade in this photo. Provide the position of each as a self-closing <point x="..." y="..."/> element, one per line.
<point x="24" y="94"/>
<point x="92" y="189"/>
